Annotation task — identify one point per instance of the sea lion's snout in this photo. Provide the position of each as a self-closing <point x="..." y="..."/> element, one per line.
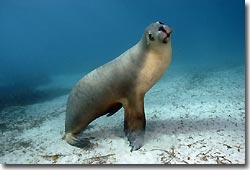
<point x="166" y="33"/>
<point x="165" y="29"/>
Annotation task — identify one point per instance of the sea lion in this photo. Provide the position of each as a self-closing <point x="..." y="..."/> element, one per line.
<point x="119" y="83"/>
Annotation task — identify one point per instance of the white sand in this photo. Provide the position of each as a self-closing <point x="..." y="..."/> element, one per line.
<point x="192" y="118"/>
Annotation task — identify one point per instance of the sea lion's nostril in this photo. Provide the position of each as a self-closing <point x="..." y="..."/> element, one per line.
<point x="161" y="28"/>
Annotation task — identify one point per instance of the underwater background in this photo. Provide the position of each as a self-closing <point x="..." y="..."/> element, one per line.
<point x="195" y="113"/>
<point x="40" y="39"/>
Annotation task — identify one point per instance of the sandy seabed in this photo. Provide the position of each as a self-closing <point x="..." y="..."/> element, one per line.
<point x="193" y="117"/>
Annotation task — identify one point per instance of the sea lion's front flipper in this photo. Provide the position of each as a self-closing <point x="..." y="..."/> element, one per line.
<point x="135" y="123"/>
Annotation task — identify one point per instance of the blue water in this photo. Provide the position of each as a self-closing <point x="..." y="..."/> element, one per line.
<point x="52" y="43"/>
<point x="40" y="39"/>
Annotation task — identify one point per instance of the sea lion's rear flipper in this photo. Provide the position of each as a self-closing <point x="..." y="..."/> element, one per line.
<point x="77" y="141"/>
<point x="135" y="123"/>
<point x="114" y="108"/>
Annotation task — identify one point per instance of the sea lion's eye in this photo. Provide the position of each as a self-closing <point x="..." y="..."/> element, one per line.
<point x="150" y="36"/>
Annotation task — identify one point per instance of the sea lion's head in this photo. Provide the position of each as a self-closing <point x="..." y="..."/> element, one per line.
<point x="157" y="34"/>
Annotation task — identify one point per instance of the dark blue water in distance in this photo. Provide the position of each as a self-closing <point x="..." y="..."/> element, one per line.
<point x="40" y="39"/>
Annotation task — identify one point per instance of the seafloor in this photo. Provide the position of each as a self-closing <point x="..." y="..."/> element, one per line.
<point x="193" y="117"/>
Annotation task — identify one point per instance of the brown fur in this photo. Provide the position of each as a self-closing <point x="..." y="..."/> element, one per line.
<point x="122" y="82"/>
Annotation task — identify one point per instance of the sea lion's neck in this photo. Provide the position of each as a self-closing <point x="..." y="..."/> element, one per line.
<point x="138" y="52"/>
<point x="154" y="62"/>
